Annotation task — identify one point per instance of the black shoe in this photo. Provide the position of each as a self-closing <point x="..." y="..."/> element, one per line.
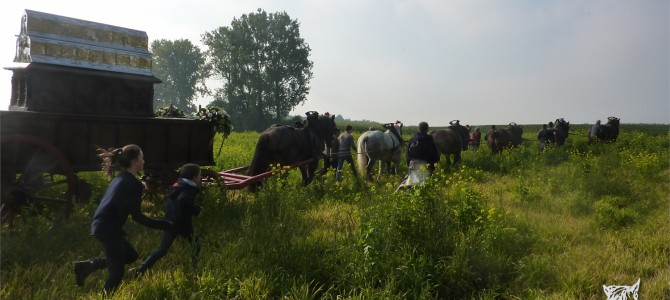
<point x="82" y="269"/>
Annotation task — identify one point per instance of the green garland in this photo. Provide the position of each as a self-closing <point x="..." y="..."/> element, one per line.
<point x="216" y="116"/>
<point x="170" y="112"/>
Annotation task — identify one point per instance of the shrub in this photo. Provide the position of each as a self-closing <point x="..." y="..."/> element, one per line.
<point x="615" y="212"/>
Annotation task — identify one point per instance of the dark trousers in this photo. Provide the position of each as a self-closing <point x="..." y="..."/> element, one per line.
<point x="340" y="162"/>
<point x="167" y="239"/>
<point x="118" y="252"/>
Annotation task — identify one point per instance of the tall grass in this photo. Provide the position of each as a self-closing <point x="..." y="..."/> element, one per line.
<point x="525" y="224"/>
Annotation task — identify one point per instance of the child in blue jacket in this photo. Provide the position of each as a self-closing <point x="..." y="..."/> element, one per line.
<point x="179" y="209"/>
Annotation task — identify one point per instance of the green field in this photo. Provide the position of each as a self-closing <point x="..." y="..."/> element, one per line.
<point x="526" y="224"/>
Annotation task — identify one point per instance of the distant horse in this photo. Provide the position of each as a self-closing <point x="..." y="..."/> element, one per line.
<point x="383" y="146"/>
<point x="500" y="139"/>
<point x="287" y="145"/>
<point x="559" y="133"/>
<point x="451" y="141"/>
<point x="606" y="133"/>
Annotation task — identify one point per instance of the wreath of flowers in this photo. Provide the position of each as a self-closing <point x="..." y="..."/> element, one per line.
<point x="217" y="117"/>
<point x="170" y="112"/>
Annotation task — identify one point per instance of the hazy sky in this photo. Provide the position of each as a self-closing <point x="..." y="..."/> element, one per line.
<point x="483" y="62"/>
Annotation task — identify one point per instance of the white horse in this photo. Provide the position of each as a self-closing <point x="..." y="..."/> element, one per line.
<point x="383" y="146"/>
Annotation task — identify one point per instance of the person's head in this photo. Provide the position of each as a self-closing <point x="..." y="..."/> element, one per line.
<point x="493" y="127"/>
<point x="544" y="126"/>
<point x="551" y="124"/>
<point x="128" y="158"/>
<point x="598" y="122"/>
<point x="423" y="127"/>
<point x="348" y="128"/>
<point x="190" y="172"/>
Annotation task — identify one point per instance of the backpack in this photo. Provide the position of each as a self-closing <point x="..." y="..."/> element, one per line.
<point x="414" y="149"/>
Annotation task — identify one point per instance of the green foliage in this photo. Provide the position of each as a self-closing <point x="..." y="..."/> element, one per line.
<point x="615" y="212"/>
<point x="265" y="67"/>
<point x="524" y="224"/>
<point x="170" y="112"/>
<point x="181" y="66"/>
<point x="441" y="239"/>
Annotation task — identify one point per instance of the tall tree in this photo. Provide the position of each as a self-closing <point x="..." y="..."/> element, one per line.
<point x="264" y="64"/>
<point x="182" y="68"/>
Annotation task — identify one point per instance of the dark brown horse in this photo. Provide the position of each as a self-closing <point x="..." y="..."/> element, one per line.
<point x="288" y="145"/>
<point x="559" y="133"/>
<point x="499" y="139"/>
<point x="451" y="141"/>
<point x="606" y="133"/>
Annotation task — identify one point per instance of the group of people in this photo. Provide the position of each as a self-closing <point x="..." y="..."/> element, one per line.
<point x="546" y="133"/>
<point x="421" y="154"/>
<point x="123" y="198"/>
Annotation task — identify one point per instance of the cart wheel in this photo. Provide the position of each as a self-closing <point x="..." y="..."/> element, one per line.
<point x="156" y="183"/>
<point x="36" y="179"/>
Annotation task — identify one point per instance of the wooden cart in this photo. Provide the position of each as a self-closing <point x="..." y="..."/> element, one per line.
<point x="78" y="85"/>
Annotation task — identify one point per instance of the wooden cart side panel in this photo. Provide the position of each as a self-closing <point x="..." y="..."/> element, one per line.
<point x="155" y="145"/>
<point x="179" y="139"/>
<point x="200" y="154"/>
<point x="73" y="140"/>
<point x="100" y="134"/>
<point x="166" y="143"/>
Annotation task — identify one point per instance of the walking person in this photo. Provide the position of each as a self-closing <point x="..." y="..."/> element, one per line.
<point x="180" y="208"/>
<point x="421" y="157"/>
<point x="475" y="139"/>
<point x="543" y="136"/>
<point x="122" y="198"/>
<point x="346" y="141"/>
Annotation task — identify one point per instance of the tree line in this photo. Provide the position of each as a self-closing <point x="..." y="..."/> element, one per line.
<point x="260" y="59"/>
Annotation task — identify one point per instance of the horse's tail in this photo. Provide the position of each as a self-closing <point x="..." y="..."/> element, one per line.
<point x="362" y="158"/>
<point x="259" y="163"/>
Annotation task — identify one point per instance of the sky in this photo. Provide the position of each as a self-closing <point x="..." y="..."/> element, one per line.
<point x="481" y="62"/>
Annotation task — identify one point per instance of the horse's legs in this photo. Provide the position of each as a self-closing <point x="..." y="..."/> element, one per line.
<point x="305" y="175"/>
<point x="369" y="167"/>
<point x="457" y="157"/>
<point x="311" y="169"/>
<point x="382" y="168"/>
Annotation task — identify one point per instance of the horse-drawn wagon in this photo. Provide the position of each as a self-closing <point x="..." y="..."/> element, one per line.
<point x="78" y="85"/>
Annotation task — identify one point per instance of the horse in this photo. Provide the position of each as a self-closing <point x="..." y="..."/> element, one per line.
<point x="288" y="145"/>
<point x="383" y="146"/>
<point x="451" y="141"/>
<point x="499" y="139"/>
<point x="559" y="133"/>
<point x="606" y="133"/>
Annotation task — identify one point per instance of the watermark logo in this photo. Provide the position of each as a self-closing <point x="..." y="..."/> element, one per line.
<point x="621" y="292"/>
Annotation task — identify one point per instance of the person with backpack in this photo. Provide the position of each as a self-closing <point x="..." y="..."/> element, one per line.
<point x="421" y="156"/>
<point x="179" y="209"/>
<point x="421" y="147"/>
